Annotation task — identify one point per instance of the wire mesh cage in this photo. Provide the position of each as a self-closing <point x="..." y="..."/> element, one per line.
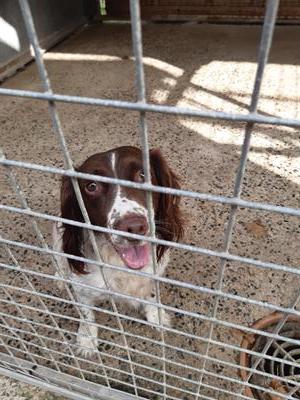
<point x="38" y="327"/>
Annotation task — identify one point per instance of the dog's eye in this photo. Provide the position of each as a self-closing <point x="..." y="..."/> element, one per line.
<point x="92" y="187"/>
<point x="140" y="177"/>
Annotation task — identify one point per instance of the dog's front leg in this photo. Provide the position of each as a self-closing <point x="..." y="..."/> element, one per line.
<point x="87" y="334"/>
<point x="152" y="312"/>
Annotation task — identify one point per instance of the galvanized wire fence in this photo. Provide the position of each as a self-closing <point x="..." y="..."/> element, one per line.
<point x="123" y="374"/>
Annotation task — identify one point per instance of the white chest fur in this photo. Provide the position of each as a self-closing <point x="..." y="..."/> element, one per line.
<point x="118" y="281"/>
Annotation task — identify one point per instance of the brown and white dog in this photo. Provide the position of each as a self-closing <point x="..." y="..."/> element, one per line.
<point x="123" y="209"/>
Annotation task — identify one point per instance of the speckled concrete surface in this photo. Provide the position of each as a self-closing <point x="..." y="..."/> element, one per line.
<point x="14" y="390"/>
<point x="202" y="66"/>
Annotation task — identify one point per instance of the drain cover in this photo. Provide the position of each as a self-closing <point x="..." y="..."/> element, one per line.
<point x="282" y="350"/>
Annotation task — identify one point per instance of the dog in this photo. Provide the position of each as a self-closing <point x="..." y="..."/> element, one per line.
<point x="124" y="209"/>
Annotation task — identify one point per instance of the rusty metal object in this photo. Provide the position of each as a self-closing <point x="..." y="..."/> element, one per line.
<point x="279" y="349"/>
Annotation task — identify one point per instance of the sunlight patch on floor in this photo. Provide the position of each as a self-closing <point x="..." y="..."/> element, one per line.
<point x="226" y="86"/>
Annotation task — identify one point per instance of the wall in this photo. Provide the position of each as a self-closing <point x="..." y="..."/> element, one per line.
<point x="53" y="19"/>
<point x="205" y="10"/>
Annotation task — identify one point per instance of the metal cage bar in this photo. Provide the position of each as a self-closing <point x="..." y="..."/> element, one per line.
<point x="201" y="356"/>
<point x="28" y="20"/>
<point x="260" y="388"/>
<point x="137" y="106"/>
<point x="265" y="45"/>
<point x="158" y="189"/>
<point x="21" y="198"/>
<point x="221" y="376"/>
<point x="191" y="248"/>
<point x="141" y="91"/>
<point x="291" y="310"/>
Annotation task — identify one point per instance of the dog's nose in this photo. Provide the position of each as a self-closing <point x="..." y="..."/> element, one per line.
<point x="133" y="224"/>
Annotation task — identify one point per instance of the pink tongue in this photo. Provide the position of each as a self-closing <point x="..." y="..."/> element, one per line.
<point x="135" y="257"/>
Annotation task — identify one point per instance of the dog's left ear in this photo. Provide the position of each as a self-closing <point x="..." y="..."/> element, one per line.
<point x="72" y="235"/>
<point x="168" y="218"/>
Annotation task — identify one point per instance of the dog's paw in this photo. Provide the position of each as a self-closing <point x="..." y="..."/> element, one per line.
<point x="87" y="346"/>
<point x="152" y="315"/>
<point x="166" y="319"/>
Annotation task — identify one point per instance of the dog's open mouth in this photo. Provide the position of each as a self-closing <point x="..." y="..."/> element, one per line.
<point x="135" y="256"/>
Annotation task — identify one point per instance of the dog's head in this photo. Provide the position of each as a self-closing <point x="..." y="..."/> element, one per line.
<point x="122" y="208"/>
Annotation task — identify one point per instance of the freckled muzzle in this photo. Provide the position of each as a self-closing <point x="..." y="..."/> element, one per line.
<point x="134" y="253"/>
<point x="137" y="224"/>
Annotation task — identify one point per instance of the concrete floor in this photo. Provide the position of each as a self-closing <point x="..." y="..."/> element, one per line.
<point x="203" y="66"/>
<point x="14" y="390"/>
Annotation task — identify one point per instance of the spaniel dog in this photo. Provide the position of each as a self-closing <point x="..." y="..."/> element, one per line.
<point x="124" y="209"/>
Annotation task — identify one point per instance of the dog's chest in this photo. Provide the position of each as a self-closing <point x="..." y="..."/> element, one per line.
<point x="132" y="285"/>
<point x="119" y="281"/>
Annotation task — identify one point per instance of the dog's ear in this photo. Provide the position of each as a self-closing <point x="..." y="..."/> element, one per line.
<point x="72" y="235"/>
<point x="168" y="219"/>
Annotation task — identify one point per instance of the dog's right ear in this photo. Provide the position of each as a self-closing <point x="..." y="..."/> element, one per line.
<point x="72" y="235"/>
